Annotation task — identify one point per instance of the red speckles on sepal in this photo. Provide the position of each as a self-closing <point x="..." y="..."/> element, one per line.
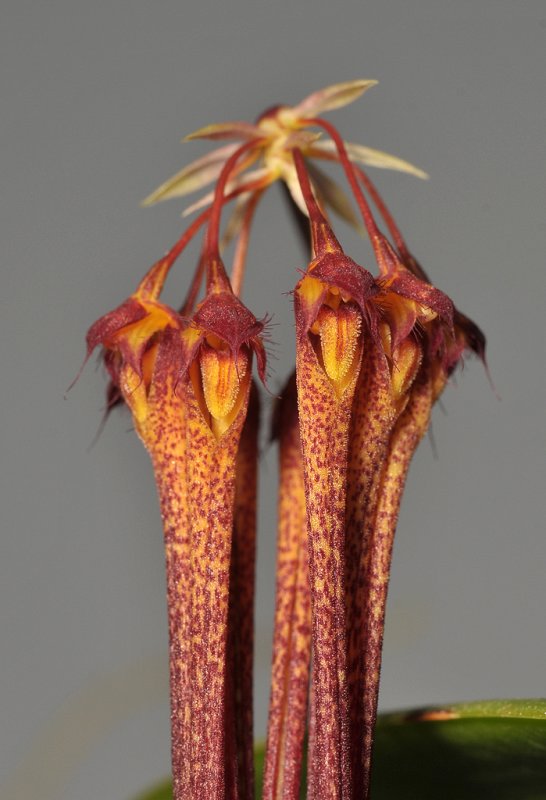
<point x="465" y="329"/>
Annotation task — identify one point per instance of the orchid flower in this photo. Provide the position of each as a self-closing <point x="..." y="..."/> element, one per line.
<point x="272" y="137"/>
<point x="373" y="354"/>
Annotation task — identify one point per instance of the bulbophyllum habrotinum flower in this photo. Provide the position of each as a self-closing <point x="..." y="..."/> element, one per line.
<point x="218" y="348"/>
<point x="373" y="354"/>
<point x="389" y="394"/>
<point x="334" y="311"/>
<point x="187" y="382"/>
<point x="408" y="346"/>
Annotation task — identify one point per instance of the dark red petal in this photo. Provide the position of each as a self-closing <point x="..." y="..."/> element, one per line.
<point x="474" y="338"/>
<point x="104" y="328"/>
<point x="337" y="270"/>
<point x="407" y="285"/>
<point x="225" y="316"/>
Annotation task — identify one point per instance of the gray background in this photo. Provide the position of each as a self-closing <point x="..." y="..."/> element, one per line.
<point x="95" y="97"/>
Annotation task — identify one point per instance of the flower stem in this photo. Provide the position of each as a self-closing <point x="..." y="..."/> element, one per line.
<point x="213" y="232"/>
<point x="367" y="216"/>
<point x="239" y="259"/>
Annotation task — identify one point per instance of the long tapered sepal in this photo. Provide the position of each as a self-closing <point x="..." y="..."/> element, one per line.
<point x="163" y="432"/>
<point x="210" y="470"/>
<point x="292" y="634"/>
<point x="187" y="382"/>
<point x="407" y="433"/>
<point x="403" y="377"/>
<point x="142" y="350"/>
<point x="373" y="417"/>
<point x="390" y="364"/>
<point x="218" y="348"/>
<point x="239" y="715"/>
<point x="332" y="308"/>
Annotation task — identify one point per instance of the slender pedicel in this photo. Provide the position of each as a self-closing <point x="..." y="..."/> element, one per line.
<point x="239" y="258"/>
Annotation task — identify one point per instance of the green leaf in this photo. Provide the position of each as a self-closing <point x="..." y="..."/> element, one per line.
<point x="469" y="751"/>
<point x="162" y="792"/>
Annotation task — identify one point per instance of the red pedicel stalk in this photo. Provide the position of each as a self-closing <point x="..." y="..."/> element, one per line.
<point x="292" y="634"/>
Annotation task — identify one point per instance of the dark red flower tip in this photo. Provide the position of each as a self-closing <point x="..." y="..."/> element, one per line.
<point x="406" y="285"/>
<point x="223" y="315"/>
<point x="336" y="271"/>
<point x="102" y="331"/>
<point x="474" y="338"/>
<point x="340" y="271"/>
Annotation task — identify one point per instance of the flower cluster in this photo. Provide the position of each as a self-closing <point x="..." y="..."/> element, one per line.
<point x="373" y="354"/>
